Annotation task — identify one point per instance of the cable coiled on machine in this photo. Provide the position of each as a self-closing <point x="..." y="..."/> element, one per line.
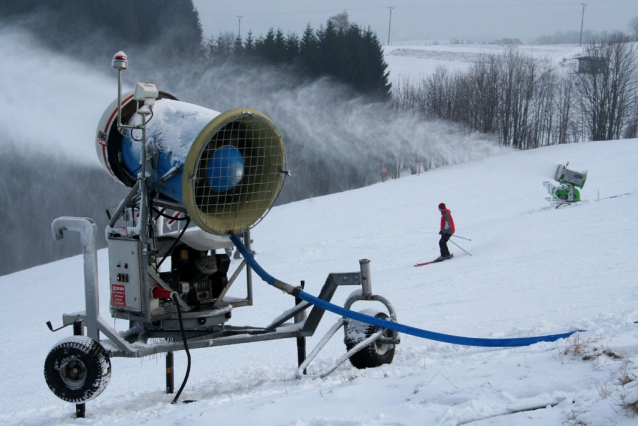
<point x="188" y="354"/>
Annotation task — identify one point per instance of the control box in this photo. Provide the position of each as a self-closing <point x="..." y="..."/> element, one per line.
<point x="145" y="90"/>
<point x="125" y="274"/>
<point x="574" y="177"/>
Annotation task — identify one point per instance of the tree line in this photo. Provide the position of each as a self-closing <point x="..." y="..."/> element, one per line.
<point x="172" y="29"/>
<point x="91" y="28"/>
<point x="529" y="102"/>
<point x="342" y="50"/>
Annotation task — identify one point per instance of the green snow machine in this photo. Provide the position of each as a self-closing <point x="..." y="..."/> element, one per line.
<point x="566" y="192"/>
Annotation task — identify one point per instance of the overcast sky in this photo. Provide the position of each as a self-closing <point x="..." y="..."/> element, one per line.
<point x="476" y="20"/>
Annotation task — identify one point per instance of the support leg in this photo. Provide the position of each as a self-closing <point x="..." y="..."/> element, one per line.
<point x="301" y="341"/>
<point x="170" y="376"/>
<point x="78" y="330"/>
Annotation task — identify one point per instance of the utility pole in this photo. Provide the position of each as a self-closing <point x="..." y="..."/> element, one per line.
<point x="390" y="25"/>
<point x="580" y="43"/>
<point x="239" y="32"/>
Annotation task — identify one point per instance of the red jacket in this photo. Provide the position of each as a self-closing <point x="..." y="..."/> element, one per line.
<point x="447" y="223"/>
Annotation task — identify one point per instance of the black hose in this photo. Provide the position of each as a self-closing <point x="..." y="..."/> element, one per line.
<point x="174" y="244"/>
<point x="160" y="213"/>
<point x="188" y="354"/>
<point x="147" y="121"/>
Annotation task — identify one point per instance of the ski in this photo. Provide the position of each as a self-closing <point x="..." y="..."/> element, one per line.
<point x="434" y="261"/>
<point x="425" y="263"/>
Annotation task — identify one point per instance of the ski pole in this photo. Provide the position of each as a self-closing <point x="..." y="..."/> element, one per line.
<point x="463" y="238"/>
<point x="459" y="247"/>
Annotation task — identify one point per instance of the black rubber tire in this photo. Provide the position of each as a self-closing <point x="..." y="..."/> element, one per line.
<point x="376" y="353"/>
<point x="77" y="369"/>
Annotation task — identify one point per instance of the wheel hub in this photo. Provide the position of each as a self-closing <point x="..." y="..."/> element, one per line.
<point x="382" y="347"/>
<point x="73" y="373"/>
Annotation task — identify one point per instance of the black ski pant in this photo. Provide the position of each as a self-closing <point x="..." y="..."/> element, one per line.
<point x="443" y="245"/>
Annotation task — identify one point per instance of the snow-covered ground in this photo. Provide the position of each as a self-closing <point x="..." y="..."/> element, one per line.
<point x="412" y="62"/>
<point x="533" y="270"/>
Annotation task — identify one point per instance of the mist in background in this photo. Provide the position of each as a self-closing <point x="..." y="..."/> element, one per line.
<point x="51" y="104"/>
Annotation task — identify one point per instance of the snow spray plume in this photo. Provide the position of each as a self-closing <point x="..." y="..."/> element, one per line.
<point x="36" y="190"/>
<point x="50" y="107"/>
<point x="50" y="102"/>
<point x="335" y="140"/>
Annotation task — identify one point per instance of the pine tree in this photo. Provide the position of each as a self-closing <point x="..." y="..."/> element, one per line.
<point x="309" y="52"/>
<point x="265" y="46"/>
<point x="224" y="44"/>
<point x="238" y="47"/>
<point x="249" y="44"/>
<point x="280" y="47"/>
<point x="329" y="59"/>
<point x="291" y="47"/>
<point x="376" y="68"/>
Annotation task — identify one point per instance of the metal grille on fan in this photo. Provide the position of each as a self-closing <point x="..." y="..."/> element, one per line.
<point x="238" y="175"/>
<point x="225" y="169"/>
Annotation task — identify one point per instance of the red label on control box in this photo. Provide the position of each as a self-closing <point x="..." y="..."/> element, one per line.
<point x="118" y="295"/>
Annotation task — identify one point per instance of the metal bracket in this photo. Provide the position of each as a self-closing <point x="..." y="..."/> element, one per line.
<point x="59" y="328"/>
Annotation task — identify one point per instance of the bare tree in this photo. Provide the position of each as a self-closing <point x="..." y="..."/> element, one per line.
<point x="563" y="102"/>
<point x="220" y="46"/>
<point x="631" y="129"/>
<point x="607" y="93"/>
<point x="527" y="103"/>
<point x="541" y="113"/>
<point x="340" y="21"/>
<point x="633" y="27"/>
<point x="484" y="81"/>
<point x="516" y="90"/>
<point x="437" y="96"/>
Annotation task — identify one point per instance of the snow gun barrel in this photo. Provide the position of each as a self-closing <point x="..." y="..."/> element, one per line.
<point x="225" y="169"/>
<point x="566" y="175"/>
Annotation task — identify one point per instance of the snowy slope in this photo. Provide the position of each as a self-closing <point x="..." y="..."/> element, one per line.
<point x="533" y="270"/>
<point x="412" y="61"/>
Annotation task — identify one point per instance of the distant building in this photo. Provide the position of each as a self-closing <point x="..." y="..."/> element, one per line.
<point x="591" y="64"/>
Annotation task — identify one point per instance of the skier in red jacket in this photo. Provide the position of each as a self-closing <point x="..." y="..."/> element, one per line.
<point x="447" y="229"/>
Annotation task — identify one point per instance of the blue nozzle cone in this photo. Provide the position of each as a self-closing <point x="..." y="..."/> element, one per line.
<point x="225" y="169"/>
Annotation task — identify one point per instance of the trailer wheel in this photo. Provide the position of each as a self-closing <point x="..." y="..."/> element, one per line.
<point x="77" y="369"/>
<point x="376" y="353"/>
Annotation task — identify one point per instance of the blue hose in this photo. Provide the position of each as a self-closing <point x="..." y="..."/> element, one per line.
<point x="401" y="328"/>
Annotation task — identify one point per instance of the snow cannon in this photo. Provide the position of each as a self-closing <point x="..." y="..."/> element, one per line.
<point x="222" y="171"/>
<point x="569" y="180"/>
<point x="225" y="169"/>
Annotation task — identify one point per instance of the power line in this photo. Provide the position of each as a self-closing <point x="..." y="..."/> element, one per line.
<point x="429" y="6"/>
<point x="390" y="24"/>
<point x="580" y="43"/>
<point x="239" y="32"/>
<point x="335" y="11"/>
